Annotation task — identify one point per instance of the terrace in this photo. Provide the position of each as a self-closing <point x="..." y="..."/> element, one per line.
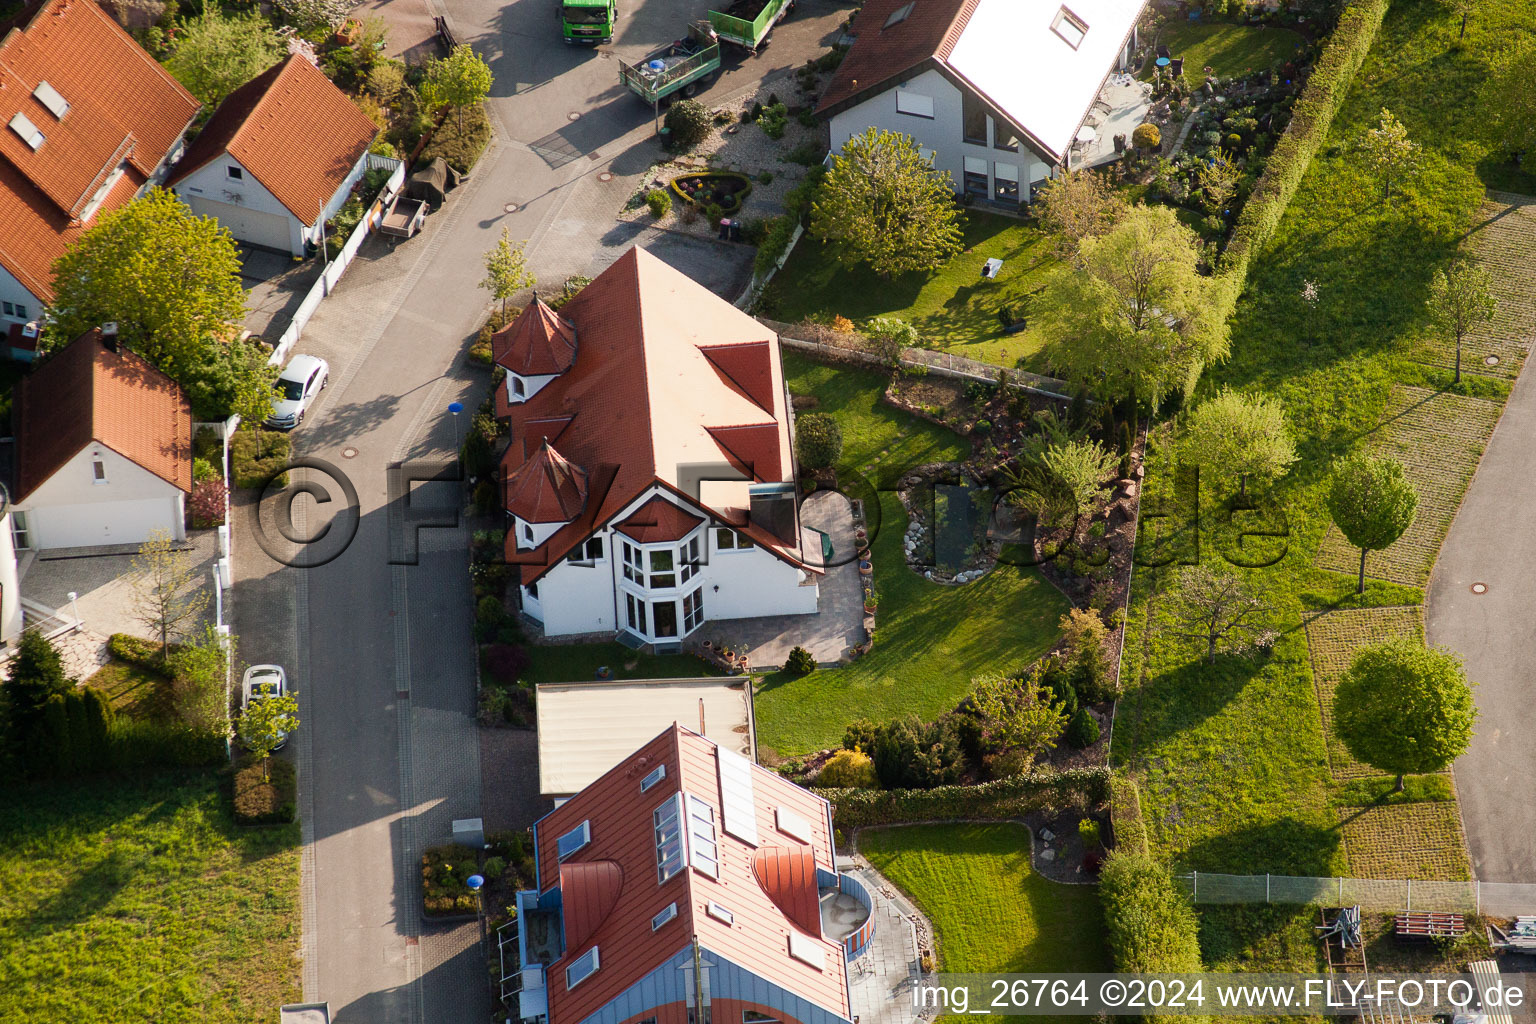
<point x="1123" y="104"/>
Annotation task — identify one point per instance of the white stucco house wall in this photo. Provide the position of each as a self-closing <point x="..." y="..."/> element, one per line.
<point x="649" y="483"/>
<point x="103" y="450"/>
<point x="278" y="158"/>
<point x="996" y="90"/>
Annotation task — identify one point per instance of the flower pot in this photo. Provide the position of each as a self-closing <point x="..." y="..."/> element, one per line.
<point x="865" y="568"/>
<point x="709" y="645"/>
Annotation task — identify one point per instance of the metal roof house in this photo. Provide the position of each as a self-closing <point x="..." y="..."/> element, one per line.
<point x="686" y="886"/>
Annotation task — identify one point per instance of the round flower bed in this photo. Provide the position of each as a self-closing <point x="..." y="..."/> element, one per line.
<point x="725" y="189"/>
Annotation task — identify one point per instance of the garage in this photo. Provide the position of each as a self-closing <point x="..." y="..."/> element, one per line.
<point x="248" y="225"/>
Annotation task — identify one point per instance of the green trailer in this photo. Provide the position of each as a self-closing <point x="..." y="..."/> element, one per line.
<point x="678" y="67"/>
<point x="588" y="21"/>
<point x="748" y="22"/>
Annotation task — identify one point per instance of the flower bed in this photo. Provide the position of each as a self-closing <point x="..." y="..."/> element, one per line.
<point x="725" y="189"/>
<point x="444" y="874"/>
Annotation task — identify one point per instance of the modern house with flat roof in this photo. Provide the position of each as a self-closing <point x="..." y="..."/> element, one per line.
<point x="650" y="481"/>
<point x="997" y="90"/>
<point x="687" y="885"/>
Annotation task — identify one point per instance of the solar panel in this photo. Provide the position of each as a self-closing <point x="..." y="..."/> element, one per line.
<point x="737" y="804"/>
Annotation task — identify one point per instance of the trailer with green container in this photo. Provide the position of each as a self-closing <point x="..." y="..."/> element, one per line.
<point x="747" y="23"/>
<point x="588" y="21"/>
<point x="681" y="66"/>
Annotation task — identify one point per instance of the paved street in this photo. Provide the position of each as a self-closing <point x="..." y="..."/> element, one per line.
<point x="382" y="654"/>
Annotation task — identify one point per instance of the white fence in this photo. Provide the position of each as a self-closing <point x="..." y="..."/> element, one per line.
<point x="335" y="268"/>
<point x="1498" y="899"/>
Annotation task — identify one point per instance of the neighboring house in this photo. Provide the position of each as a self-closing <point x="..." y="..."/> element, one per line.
<point x="278" y="158"/>
<point x="103" y="449"/>
<point x="88" y="120"/>
<point x="649" y="483"/>
<point x="997" y="89"/>
<point x="685" y="886"/>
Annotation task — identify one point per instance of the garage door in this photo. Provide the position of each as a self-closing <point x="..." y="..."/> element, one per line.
<point x="246" y="224"/>
<point x="108" y="522"/>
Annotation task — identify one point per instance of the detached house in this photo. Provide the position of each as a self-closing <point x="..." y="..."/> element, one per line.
<point x="278" y="158"/>
<point x="997" y="89"/>
<point x="649" y="484"/>
<point x="88" y="120"/>
<point x="686" y="886"/>
<point x="103" y="449"/>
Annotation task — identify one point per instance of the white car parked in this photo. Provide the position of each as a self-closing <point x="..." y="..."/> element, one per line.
<point x="301" y="380"/>
<point x="261" y="682"/>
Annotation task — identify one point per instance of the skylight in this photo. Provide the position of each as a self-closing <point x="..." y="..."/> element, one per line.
<point x="737" y="805"/>
<point x="49" y="97"/>
<point x="705" y="857"/>
<point x="582" y="968"/>
<point x="898" y="16"/>
<point x="667" y="914"/>
<point x="807" y="950"/>
<point x="656" y="775"/>
<point x="1069" y="27"/>
<point x="669" y="839"/>
<point x="23" y="126"/>
<point x="719" y="913"/>
<point x="575" y="839"/>
<point x="791" y="824"/>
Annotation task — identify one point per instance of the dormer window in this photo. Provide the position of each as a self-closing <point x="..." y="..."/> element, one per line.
<point x="517" y="385"/>
<point x="49" y="97"/>
<point x="23" y="126"/>
<point x="1069" y="27"/>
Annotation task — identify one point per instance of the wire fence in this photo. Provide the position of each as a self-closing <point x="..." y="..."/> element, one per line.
<point x="1496" y="899"/>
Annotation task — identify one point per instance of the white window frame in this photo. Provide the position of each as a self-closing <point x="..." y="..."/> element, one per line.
<point x="738" y="540"/>
<point x="1075" y="27"/>
<point x="21" y="534"/>
<point x="668" y="913"/>
<point x="697" y="615"/>
<point x="98" y="469"/>
<point x="583" y="834"/>
<point x="719" y="913"/>
<point x="703" y="838"/>
<point x="914" y="104"/>
<point x="656" y="775"/>
<point x="582" y="968"/>
<point x="670" y="813"/>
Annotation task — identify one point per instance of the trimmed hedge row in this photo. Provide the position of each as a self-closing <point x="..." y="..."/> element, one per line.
<point x="1130" y="830"/>
<point x="135" y="745"/>
<point x="1149" y="922"/>
<point x="135" y="650"/>
<point x="1311" y="119"/>
<point x="1041" y="790"/>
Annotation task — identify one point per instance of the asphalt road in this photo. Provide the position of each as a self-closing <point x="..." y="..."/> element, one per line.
<point x="381" y="654"/>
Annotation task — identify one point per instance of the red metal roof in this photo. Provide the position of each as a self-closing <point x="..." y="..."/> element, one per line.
<point x="547" y="488"/>
<point x="538" y="343"/>
<point x="125" y="113"/>
<point x="588" y="891"/>
<point x="296" y="133"/>
<point x="623" y="832"/>
<point x="647" y="397"/>
<point x="88" y="392"/>
<point x="659" y="520"/>
<point x="788" y="875"/>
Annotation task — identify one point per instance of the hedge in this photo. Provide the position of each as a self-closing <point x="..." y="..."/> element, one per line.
<point x="1130" y="830"/>
<point x="134" y="745"/>
<point x="1044" y="789"/>
<point x="259" y="801"/>
<point x="1311" y="118"/>
<point x="255" y="455"/>
<point x="1149" y="923"/>
<point x="136" y="650"/>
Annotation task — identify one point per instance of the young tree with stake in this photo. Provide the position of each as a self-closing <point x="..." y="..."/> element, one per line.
<point x="1404" y="708"/>
<point x="265" y="723"/>
<point x="1387" y="151"/>
<point x="506" y="270"/>
<point x="171" y="600"/>
<point x="1242" y="434"/>
<point x="1371" y="502"/>
<point x="459" y="80"/>
<point x="1460" y="300"/>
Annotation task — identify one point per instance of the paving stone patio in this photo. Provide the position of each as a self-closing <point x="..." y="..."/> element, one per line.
<point x="881" y="980"/>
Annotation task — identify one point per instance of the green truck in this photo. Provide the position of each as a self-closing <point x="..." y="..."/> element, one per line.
<point x="588" y="21"/>
<point x="679" y="67"/>
<point x="748" y="22"/>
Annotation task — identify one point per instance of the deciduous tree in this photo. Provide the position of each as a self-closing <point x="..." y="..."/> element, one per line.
<point x="200" y="680"/>
<point x="1460" y="300"/>
<point x="1076" y="204"/>
<point x="883" y="204"/>
<point x="1242" y="434"/>
<point x="170" y="280"/>
<point x="1218" y="177"/>
<point x="265" y="723"/>
<point x="1219" y="608"/>
<point x="506" y="270"/>
<point x="1402" y="707"/>
<point x="1018" y="714"/>
<point x="1387" y="152"/>
<point x="171" y="597"/>
<point x="459" y="80"/>
<point x="1371" y="502"/>
<point x="1131" y="319"/>
<point x="1508" y="102"/>
<point x="216" y="54"/>
<point x="230" y="378"/>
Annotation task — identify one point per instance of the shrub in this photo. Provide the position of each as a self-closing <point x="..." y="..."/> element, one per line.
<point x="911" y="754"/>
<point x="1125" y="814"/>
<point x="1088" y="832"/>
<point x="1084" y="633"/>
<point x="688" y="123"/>
<point x="1150" y="924"/>
<point x="443" y="873"/>
<point x="776" y="235"/>
<point x="774" y="120"/>
<point x="265" y="801"/>
<point x="807" y="154"/>
<point x="800" y="662"/>
<point x="660" y="202"/>
<point x="494" y="868"/>
<point x="460" y="145"/>
<point x="1044" y="789"/>
<point x="256" y="456"/>
<point x="818" y="440"/>
<point x="202" y="469"/>
<point x="505" y="662"/>
<point x="1082" y="730"/>
<point x="1146" y="136"/>
<point x="136" y="651"/>
<point x="490" y="611"/>
<point x="848" y="769"/>
<point x="207" y="503"/>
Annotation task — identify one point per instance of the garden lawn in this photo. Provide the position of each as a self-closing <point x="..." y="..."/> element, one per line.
<point x="134" y="691"/>
<point x="991" y="912"/>
<point x="137" y="898"/>
<point x="953" y="308"/>
<point x="930" y="639"/>
<point x="1225" y="48"/>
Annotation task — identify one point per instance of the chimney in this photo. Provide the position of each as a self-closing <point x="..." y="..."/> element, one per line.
<point x="109" y="335"/>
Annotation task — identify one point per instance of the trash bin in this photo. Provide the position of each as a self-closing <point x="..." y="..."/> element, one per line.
<point x="735" y="230"/>
<point x="725" y="229"/>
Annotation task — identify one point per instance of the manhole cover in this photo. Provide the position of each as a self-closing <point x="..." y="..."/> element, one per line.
<point x="509" y="208"/>
<point x="349" y="453"/>
<point x="573" y="116"/>
<point x="1492" y="360"/>
<point x="605" y="176"/>
<point x="1479" y="588"/>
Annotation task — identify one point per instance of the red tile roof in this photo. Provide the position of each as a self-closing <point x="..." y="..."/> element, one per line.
<point x="296" y="133"/>
<point x="546" y="488"/>
<point x="125" y="114"/>
<point x="880" y="55"/>
<point x="659" y="520"/>
<point x="650" y="394"/>
<point x="538" y="343"/>
<point x="623" y="832"/>
<point x="87" y="392"/>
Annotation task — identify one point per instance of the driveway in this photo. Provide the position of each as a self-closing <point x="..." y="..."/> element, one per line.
<point x="381" y="654"/>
